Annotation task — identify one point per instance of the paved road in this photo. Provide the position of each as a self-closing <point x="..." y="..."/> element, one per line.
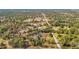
<point x="55" y="39"/>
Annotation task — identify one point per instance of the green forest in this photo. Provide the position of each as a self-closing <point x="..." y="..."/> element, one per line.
<point x="33" y="30"/>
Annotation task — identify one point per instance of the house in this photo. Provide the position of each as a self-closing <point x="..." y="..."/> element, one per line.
<point x="28" y="20"/>
<point x="37" y="19"/>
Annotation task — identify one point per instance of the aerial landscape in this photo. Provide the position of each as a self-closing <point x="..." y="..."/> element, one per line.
<point x="39" y="29"/>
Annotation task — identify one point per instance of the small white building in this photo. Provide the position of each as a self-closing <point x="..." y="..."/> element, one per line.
<point x="28" y="20"/>
<point x="37" y="19"/>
